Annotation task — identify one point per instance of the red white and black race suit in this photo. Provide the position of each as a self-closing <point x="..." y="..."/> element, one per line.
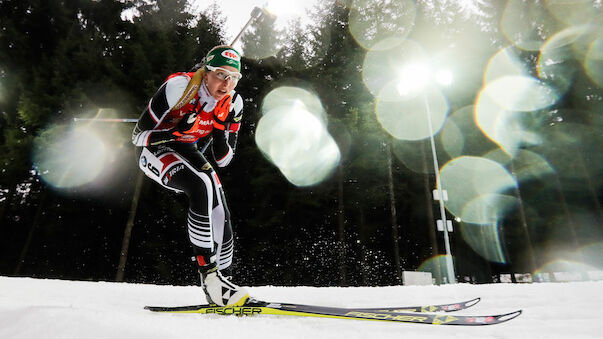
<point x="175" y="159"/>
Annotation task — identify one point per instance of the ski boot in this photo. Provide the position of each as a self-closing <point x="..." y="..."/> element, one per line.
<point x="218" y="290"/>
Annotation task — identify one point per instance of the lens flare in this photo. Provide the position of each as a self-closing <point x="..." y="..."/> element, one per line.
<point x="527" y="24"/>
<point x="485" y="239"/>
<point x="527" y="165"/>
<point x="520" y="93"/>
<point x="502" y="126"/>
<point x="476" y="188"/>
<point x="505" y="62"/>
<point x="297" y="142"/>
<point x="593" y="63"/>
<point x="503" y="110"/>
<point x="289" y="96"/>
<point x="575" y="12"/>
<point x="68" y="157"/>
<point x="443" y="77"/>
<point x="373" y="21"/>
<point x="407" y="119"/>
<point x="559" y="59"/>
<point x="413" y="78"/>
<point x="461" y="137"/>
<point x="453" y="139"/>
<point x="436" y="265"/>
<point x="387" y="65"/>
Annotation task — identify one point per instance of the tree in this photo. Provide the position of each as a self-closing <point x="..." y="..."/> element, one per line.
<point x="261" y="40"/>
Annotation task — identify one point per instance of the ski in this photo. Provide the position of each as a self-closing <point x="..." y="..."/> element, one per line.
<point x="376" y="314"/>
<point x="451" y="307"/>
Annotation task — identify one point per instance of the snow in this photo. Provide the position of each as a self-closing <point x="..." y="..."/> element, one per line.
<point x="40" y="308"/>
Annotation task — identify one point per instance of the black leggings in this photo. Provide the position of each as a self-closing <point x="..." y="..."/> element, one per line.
<point x="182" y="168"/>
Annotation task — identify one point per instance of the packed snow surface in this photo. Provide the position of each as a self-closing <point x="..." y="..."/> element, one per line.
<point x="38" y="308"/>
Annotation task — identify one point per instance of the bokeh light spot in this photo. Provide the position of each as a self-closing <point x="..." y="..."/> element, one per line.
<point x="437" y="265"/>
<point x="527" y="165"/>
<point x="503" y="107"/>
<point x="520" y="93"/>
<point x="527" y="24"/>
<point x="500" y="125"/>
<point x="385" y="64"/>
<point x="290" y="96"/>
<point x="593" y="63"/>
<point x="297" y="142"/>
<point x="476" y="188"/>
<point x="485" y="239"/>
<point x="558" y="63"/>
<point x="67" y="157"/>
<point x="407" y="119"/>
<point x="504" y="63"/>
<point x="574" y="12"/>
<point x="452" y="139"/>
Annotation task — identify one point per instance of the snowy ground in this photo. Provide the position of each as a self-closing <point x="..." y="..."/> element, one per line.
<point x="33" y="308"/>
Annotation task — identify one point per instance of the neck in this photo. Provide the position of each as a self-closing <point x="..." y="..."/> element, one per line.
<point x="206" y="97"/>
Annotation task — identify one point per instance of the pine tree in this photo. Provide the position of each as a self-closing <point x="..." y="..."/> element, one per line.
<point x="261" y="40"/>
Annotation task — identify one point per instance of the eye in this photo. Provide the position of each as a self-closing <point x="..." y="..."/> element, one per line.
<point x="222" y="75"/>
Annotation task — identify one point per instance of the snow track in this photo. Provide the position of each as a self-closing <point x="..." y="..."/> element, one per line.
<point x="39" y="308"/>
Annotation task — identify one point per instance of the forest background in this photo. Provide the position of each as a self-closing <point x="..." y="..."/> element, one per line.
<point x="370" y="218"/>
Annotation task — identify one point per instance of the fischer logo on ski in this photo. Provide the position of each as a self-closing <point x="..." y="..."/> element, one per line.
<point x="234" y="310"/>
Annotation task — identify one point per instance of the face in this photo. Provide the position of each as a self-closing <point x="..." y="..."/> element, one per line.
<point x="217" y="87"/>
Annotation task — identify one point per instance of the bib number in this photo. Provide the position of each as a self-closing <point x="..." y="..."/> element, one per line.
<point x="150" y="165"/>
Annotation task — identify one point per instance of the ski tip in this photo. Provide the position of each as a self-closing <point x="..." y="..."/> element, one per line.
<point x="508" y="316"/>
<point x="472" y="302"/>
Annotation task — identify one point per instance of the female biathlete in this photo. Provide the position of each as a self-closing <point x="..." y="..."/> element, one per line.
<point x="189" y="112"/>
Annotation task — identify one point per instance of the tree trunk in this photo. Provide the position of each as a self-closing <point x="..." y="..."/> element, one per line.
<point x="32" y="230"/>
<point x="363" y="256"/>
<point x="524" y="225"/>
<point x="570" y="224"/>
<point x="394" y="216"/>
<point x="9" y="194"/>
<point x="590" y="185"/>
<point x="341" y="220"/>
<point x="125" y="245"/>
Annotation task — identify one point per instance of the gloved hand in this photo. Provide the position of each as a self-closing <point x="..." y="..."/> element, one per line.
<point x="186" y="124"/>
